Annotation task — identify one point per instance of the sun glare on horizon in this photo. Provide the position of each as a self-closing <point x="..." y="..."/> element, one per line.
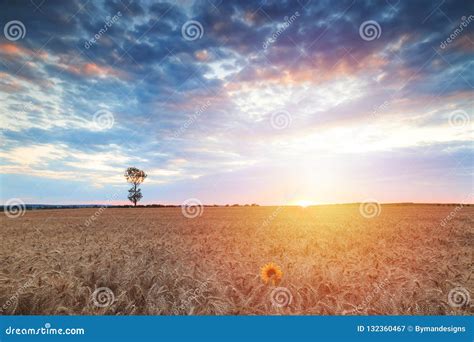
<point x="304" y="203"/>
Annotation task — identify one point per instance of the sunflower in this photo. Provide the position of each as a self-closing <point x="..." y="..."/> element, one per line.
<point x="271" y="273"/>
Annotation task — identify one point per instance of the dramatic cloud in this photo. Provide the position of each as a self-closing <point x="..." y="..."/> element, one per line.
<point x="238" y="101"/>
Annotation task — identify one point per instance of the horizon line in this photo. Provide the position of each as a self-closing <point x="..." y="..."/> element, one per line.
<point x="240" y="205"/>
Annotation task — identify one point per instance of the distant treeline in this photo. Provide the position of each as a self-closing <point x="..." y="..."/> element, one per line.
<point x="79" y="206"/>
<point x="411" y="203"/>
<point x="82" y="206"/>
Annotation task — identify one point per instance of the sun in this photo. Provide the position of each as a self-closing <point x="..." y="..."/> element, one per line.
<point x="304" y="203"/>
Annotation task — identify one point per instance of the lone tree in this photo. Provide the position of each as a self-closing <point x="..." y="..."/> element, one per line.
<point x="136" y="177"/>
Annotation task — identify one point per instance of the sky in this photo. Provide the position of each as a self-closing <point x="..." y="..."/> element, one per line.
<point x="268" y="102"/>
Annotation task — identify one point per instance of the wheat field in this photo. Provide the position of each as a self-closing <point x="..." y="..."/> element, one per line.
<point x="408" y="260"/>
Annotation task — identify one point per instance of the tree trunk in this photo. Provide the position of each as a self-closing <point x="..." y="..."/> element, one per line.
<point x="135" y="192"/>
